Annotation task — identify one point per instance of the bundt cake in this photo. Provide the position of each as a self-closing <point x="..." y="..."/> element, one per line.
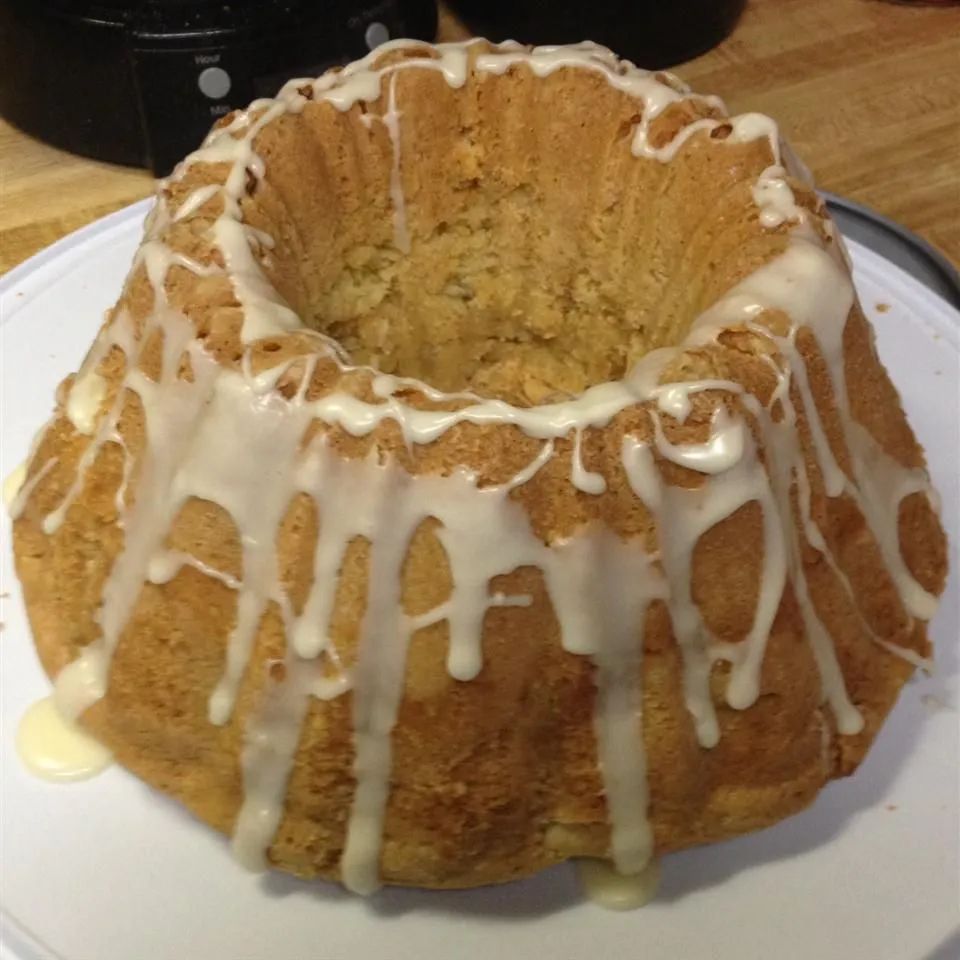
<point x="487" y="463"/>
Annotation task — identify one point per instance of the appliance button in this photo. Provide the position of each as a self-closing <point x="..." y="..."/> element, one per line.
<point x="214" y="82"/>
<point x="376" y="34"/>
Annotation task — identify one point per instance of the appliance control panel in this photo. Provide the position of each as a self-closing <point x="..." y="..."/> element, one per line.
<point x="184" y="88"/>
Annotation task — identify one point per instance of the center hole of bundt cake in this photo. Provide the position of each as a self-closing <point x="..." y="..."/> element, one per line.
<point x="516" y="249"/>
<point x="498" y="300"/>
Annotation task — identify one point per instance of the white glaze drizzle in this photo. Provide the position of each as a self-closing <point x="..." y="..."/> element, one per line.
<point x="84" y="401"/>
<point x="625" y="582"/>
<point x="682" y="517"/>
<point x="881" y="486"/>
<point x="720" y="453"/>
<point x="53" y="748"/>
<point x="172" y="407"/>
<point x="195" y="200"/>
<point x="391" y="120"/>
<point x="774" y="197"/>
<point x="600" y="587"/>
<point x="808" y="284"/>
<point x="18" y="488"/>
<point x="786" y="466"/>
<point x="580" y="477"/>
<point x="674" y="398"/>
<point x="13" y="483"/>
<point x="265" y="313"/>
<point x="270" y="744"/>
<point x="610" y="889"/>
<point x="655" y="94"/>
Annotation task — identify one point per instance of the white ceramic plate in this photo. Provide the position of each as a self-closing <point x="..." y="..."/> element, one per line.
<point x="110" y="870"/>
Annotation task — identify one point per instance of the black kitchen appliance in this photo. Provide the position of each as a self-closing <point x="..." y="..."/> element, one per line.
<point x="140" y="82"/>
<point x="651" y="33"/>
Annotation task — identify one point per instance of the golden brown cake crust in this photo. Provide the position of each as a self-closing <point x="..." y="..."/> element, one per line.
<point x="496" y="777"/>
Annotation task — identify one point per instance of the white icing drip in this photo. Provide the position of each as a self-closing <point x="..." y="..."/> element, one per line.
<point x="810" y="287"/>
<point x="264" y="311"/>
<point x="53" y="520"/>
<point x="882" y="485"/>
<point x="626" y="583"/>
<point x="848" y="717"/>
<point x="171" y="407"/>
<point x="21" y="488"/>
<point x="53" y="748"/>
<point x="270" y="745"/>
<point x="786" y="466"/>
<point x="580" y="477"/>
<point x="594" y="407"/>
<point x="498" y="599"/>
<point x="719" y="454"/>
<point x="120" y="497"/>
<point x="908" y="656"/>
<point x="360" y="81"/>
<point x="484" y="534"/>
<point x="682" y="516"/>
<point x="165" y="565"/>
<point x="756" y="126"/>
<point x="816" y="540"/>
<point x="195" y="200"/>
<point x="772" y="194"/>
<point x="157" y="258"/>
<point x="84" y="401"/>
<point x="17" y="489"/>
<point x="900" y="482"/>
<point x="388" y="506"/>
<point x="606" y="887"/>
<point x="655" y="95"/>
<point x="391" y="120"/>
<point x="674" y="398"/>
<point x="267" y="380"/>
<point x="385" y="385"/>
<point x="378" y="689"/>
<point x="826" y="742"/>
<point x="833" y="477"/>
<point x="13" y="484"/>
<point x="641" y="146"/>
<point x="331" y="480"/>
<point x="675" y="556"/>
<point x="83" y="681"/>
<point x="804" y="283"/>
<point x="258" y="239"/>
<point x="271" y="430"/>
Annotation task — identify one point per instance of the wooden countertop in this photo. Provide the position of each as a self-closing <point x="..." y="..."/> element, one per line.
<point x="867" y="91"/>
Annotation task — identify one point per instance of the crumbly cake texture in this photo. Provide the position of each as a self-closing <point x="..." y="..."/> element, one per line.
<point x="486" y="464"/>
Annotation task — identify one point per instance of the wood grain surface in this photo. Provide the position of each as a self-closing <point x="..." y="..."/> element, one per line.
<point x="868" y="92"/>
